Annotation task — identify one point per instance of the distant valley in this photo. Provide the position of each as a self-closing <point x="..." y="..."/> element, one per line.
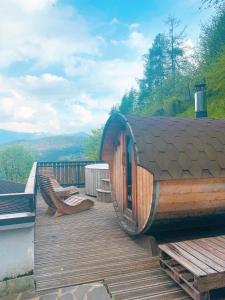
<point x="47" y="148"/>
<point x="7" y="136"/>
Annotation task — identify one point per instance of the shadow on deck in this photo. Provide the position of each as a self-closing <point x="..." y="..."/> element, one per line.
<point x="90" y="247"/>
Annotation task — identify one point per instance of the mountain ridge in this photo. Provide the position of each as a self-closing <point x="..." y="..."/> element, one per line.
<point x="53" y="147"/>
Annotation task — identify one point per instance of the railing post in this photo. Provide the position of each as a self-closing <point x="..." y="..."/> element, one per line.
<point x="78" y="175"/>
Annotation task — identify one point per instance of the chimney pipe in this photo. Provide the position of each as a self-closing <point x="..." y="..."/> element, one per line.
<point x="200" y="101"/>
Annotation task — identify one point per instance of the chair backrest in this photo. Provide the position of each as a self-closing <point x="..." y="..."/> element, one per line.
<point x="49" y="172"/>
<point x="45" y="188"/>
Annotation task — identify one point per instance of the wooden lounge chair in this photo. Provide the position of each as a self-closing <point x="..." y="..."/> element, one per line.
<point x="62" y="192"/>
<point x="42" y="182"/>
<point x="71" y="205"/>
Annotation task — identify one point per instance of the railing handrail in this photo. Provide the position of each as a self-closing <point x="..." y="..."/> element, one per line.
<point x="14" y="194"/>
<point x="30" y="185"/>
<point x="31" y="182"/>
<point x="69" y="162"/>
<point x="23" y="201"/>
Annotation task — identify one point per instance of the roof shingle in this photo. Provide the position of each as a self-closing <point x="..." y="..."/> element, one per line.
<point x="181" y="147"/>
<point x="173" y="148"/>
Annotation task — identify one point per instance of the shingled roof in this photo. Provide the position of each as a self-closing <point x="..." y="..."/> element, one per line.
<point x="173" y="148"/>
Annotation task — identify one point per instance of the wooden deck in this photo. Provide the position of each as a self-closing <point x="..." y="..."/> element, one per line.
<point x="90" y="246"/>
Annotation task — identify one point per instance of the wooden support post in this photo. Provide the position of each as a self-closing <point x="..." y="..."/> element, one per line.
<point x="149" y="243"/>
<point x="153" y="246"/>
<point x="50" y="211"/>
<point x="57" y="214"/>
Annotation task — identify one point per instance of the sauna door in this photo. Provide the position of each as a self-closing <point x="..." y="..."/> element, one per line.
<point x="128" y="169"/>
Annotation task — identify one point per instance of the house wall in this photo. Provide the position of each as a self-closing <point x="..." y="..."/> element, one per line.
<point x="16" y="252"/>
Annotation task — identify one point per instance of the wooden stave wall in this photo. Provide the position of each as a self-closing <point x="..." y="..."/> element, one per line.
<point x="144" y="197"/>
<point x="190" y="197"/>
<point x="176" y="204"/>
<point x="117" y="173"/>
<point x="163" y="216"/>
<point x="176" y="199"/>
<point x="142" y="186"/>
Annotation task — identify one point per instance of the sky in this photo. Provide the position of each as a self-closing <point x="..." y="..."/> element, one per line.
<point x="64" y="64"/>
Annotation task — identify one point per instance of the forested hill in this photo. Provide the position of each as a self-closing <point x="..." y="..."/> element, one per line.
<point x="7" y="136"/>
<point x="55" y="148"/>
<point x="16" y="158"/>
<point x="172" y="68"/>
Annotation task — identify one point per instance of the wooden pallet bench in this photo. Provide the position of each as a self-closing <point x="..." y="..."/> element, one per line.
<point x="198" y="266"/>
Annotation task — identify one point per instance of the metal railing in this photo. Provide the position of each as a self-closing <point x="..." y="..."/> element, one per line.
<point x="68" y="172"/>
<point x="16" y="208"/>
<point x="19" y="206"/>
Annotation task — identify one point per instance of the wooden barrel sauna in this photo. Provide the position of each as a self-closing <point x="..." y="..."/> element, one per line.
<point x="166" y="173"/>
<point x="93" y="175"/>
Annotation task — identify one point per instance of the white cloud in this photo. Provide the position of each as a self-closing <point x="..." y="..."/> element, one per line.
<point x="45" y="36"/>
<point x="114" y="21"/>
<point x="22" y="109"/>
<point x="136" y="41"/>
<point x="48" y="103"/>
<point x="189" y="48"/>
<point x="31" y="116"/>
<point x="133" y="26"/>
<point x="34" y="5"/>
<point x="107" y="77"/>
<point x="48" y="35"/>
<point x="115" y="75"/>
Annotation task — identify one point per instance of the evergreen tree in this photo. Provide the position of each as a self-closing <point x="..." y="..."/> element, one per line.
<point x="155" y="68"/>
<point x="167" y="87"/>
<point x="114" y="109"/>
<point x="128" y="102"/>
<point x="156" y="62"/>
<point x="175" y="51"/>
<point x="209" y="3"/>
<point x="212" y="38"/>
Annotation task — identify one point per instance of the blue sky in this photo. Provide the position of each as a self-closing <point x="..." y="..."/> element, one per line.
<point x="63" y="64"/>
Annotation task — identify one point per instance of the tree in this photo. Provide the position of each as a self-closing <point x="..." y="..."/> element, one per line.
<point x="215" y="81"/>
<point x="210" y="3"/>
<point x="128" y="102"/>
<point x="167" y="87"/>
<point x="175" y="50"/>
<point x="155" y="69"/>
<point x="156" y="62"/>
<point x="114" y="109"/>
<point x="15" y="163"/>
<point x="212" y="38"/>
<point x="92" y="144"/>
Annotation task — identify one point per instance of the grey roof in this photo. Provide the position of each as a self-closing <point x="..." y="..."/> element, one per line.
<point x="8" y="187"/>
<point x="173" y="148"/>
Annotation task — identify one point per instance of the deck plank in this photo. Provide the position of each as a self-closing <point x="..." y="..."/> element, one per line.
<point x="90" y="246"/>
<point x="206" y="252"/>
<point x="202" y="257"/>
<point x="178" y="256"/>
